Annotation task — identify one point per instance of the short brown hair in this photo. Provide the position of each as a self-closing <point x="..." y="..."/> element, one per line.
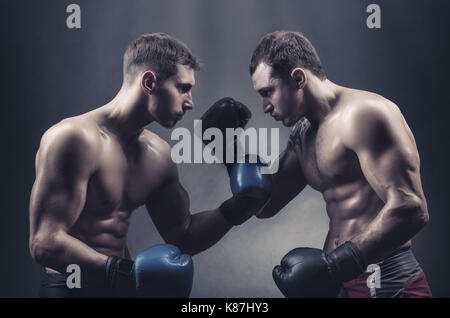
<point x="285" y="50"/>
<point x="159" y="51"/>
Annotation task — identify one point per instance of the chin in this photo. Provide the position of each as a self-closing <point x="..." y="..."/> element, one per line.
<point x="167" y="123"/>
<point x="288" y="123"/>
<point x="171" y="124"/>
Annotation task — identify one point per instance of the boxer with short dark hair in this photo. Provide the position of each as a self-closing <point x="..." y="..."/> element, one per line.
<point x="356" y="148"/>
<point x="94" y="170"/>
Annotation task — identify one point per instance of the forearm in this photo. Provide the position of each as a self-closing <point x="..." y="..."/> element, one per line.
<point x="203" y="230"/>
<point x="288" y="182"/>
<point x="392" y="227"/>
<point x="281" y="196"/>
<point x="61" y="249"/>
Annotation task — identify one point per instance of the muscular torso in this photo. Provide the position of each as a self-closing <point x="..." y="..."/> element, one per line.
<point x="332" y="169"/>
<point x="126" y="174"/>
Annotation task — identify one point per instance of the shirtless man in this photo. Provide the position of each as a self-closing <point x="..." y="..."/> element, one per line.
<point x="93" y="170"/>
<point x="356" y="148"/>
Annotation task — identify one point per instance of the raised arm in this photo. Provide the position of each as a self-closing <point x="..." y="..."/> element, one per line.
<point x="64" y="163"/>
<point x="288" y="182"/>
<point x="169" y="209"/>
<point x="193" y="233"/>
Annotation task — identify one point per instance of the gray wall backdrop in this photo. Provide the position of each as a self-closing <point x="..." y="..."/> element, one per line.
<point x="50" y="72"/>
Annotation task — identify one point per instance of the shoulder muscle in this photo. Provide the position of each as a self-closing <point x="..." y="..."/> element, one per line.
<point x="69" y="145"/>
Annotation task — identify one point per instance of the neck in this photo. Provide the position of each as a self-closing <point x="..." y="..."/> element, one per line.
<point x="126" y="115"/>
<point x="320" y="98"/>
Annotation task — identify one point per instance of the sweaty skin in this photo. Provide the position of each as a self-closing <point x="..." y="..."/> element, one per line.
<point x="94" y="170"/>
<point x="359" y="153"/>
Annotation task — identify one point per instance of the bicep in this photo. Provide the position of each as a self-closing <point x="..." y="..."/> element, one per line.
<point x="59" y="191"/>
<point x="288" y="182"/>
<point x="392" y="171"/>
<point x="56" y="202"/>
<point x="388" y="156"/>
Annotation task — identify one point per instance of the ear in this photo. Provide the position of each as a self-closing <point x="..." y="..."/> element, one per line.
<point x="298" y="75"/>
<point x="148" y="81"/>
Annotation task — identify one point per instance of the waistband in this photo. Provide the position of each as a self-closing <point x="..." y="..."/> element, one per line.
<point x="400" y="265"/>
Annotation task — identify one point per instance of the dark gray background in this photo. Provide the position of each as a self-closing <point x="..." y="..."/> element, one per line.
<point x="50" y="72"/>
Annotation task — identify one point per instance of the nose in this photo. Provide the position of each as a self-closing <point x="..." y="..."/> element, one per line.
<point x="267" y="108"/>
<point x="188" y="104"/>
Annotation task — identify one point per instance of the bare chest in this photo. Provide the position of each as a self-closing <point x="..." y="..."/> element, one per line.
<point x="124" y="179"/>
<point x="325" y="161"/>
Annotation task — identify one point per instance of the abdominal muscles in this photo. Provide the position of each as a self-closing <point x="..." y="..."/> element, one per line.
<point x="350" y="207"/>
<point x="104" y="232"/>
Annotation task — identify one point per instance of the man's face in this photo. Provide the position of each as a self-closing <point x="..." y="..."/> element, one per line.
<point x="279" y="99"/>
<point x="174" y="97"/>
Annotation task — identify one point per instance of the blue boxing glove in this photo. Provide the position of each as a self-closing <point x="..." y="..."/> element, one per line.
<point x="246" y="174"/>
<point x="158" y="271"/>
<point x="162" y="271"/>
<point x="251" y="190"/>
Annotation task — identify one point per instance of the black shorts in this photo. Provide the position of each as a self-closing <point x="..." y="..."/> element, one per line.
<point x="53" y="285"/>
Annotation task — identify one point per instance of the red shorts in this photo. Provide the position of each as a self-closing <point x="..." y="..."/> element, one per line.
<point x="415" y="287"/>
<point x="400" y="276"/>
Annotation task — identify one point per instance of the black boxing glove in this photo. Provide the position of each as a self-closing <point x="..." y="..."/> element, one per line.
<point x="309" y="272"/>
<point x="223" y="114"/>
<point x="119" y="276"/>
<point x="251" y="190"/>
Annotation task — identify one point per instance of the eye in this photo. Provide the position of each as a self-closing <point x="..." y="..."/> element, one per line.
<point x="266" y="92"/>
<point x="184" y="88"/>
